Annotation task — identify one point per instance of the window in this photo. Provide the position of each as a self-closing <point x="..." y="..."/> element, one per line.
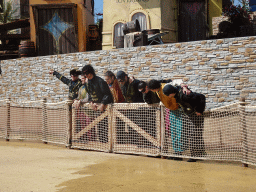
<point x="118" y="31"/>
<point x="141" y="17"/>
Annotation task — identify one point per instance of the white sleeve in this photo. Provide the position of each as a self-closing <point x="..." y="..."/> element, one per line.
<point x="175" y="82"/>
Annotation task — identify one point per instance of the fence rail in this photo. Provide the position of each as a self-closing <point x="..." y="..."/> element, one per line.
<point x="226" y="133"/>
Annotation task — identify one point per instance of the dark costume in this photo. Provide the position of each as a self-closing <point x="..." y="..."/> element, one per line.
<point x="151" y="97"/>
<point x="99" y="91"/>
<point x="131" y="93"/>
<point x="194" y="102"/>
<point x="73" y="85"/>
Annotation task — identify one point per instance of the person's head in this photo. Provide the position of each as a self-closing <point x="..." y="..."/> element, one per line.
<point x="109" y="77"/>
<point x="74" y="73"/>
<point x="122" y="77"/>
<point x="170" y="90"/>
<point x="154" y="85"/>
<point x="143" y="87"/>
<point x="88" y="71"/>
<point x="83" y="79"/>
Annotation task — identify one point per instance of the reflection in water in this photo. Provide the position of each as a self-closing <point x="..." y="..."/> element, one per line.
<point x="136" y="173"/>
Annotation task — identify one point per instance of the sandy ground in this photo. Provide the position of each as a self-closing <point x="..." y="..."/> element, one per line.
<point x="27" y="167"/>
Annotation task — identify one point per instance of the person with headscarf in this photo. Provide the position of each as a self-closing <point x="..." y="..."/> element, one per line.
<point x="114" y="87"/>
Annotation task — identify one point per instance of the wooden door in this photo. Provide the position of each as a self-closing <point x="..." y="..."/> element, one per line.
<point x="56" y="31"/>
<point x="192" y="21"/>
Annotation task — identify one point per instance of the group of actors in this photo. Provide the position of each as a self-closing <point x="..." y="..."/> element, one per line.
<point x="120" y="88"/>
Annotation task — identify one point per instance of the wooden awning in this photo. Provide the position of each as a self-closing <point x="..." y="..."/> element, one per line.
<point x="22" y="23"/>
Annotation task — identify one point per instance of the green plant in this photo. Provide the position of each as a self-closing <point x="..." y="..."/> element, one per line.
<point x="237" y="13"/>
<point x="239" y="18"/>
<point x="8" y="12"/>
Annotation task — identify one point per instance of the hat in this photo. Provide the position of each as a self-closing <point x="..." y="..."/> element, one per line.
<point x="75" y="72"/>
<point x="169" y="89"/>
<point x="121" y="75"/>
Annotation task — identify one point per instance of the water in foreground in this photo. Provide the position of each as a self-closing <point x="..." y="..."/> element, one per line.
<point x="37" y="167"/>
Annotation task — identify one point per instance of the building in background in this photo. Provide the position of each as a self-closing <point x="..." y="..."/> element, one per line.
<point x="59" y="27"/>
<point x="14" y="27"/>
<point x="184" y="20"/>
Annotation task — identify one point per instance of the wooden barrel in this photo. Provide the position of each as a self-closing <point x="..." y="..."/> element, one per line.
<point x="132" y="26"/>
<point x="27" y="49"/>
<point x="119" y="42"/>
<point x="93" y="32"/>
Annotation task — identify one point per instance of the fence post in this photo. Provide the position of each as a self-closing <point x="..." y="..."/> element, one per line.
<point x="44" y="128"/>
<point x="110" y="127"/>
<point x="69" y="123"/>
<point x="8" y="127"/>
<point x="244" y="130"/>
<point x="163" y="135"/>
<point x="158" y="128"/>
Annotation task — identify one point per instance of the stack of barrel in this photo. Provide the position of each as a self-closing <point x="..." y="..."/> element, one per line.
<point x="140" y="39"/>
<point x="27" y="49"/>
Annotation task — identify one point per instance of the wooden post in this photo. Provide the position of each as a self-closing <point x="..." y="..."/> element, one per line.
<point x="8" y="127"/>
<point x="113" y="128"/>
<point x="163" y="134"/>
<point x="244" y="131"/>
<point x="110" y="127"/>
<point x="158" y="129"/>
<point x="44" y="128"/>
<point x="69" y="122"/>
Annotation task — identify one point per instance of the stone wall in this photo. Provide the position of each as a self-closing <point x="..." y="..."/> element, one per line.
<point x="224" y="70"/>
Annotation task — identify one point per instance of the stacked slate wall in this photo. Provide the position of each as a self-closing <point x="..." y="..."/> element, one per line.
<point x="224" y="69"/>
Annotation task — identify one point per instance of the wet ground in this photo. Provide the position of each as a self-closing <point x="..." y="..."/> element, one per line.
<point x="26" y="167"/>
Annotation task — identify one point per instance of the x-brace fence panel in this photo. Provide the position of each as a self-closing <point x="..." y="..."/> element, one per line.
<point x="91" y="129"/>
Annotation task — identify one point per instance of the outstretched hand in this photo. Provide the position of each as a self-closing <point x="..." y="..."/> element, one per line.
<point x="51" y="72"/>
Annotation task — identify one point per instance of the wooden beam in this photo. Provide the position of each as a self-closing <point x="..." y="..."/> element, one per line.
<point x="137" y="128"/>
<point x="22" y="23"/>
<point x="91" y="125"/>
<point x="57" y="5"/>
<point x="14" y="36"/>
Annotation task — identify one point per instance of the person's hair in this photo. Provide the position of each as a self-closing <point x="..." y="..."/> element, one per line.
<point x="110" y="74"/>
<point x="75" y="72"/>
<point x="121" y="75"/>
<point x="154" y="84"/>
<point x="169" y="89"/>
<point x="142" y="85"/>
<point x="88" y="69"/>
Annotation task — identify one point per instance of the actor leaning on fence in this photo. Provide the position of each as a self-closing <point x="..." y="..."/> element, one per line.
<point x="193" y="105"/>
<point x="98" y="90"/>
